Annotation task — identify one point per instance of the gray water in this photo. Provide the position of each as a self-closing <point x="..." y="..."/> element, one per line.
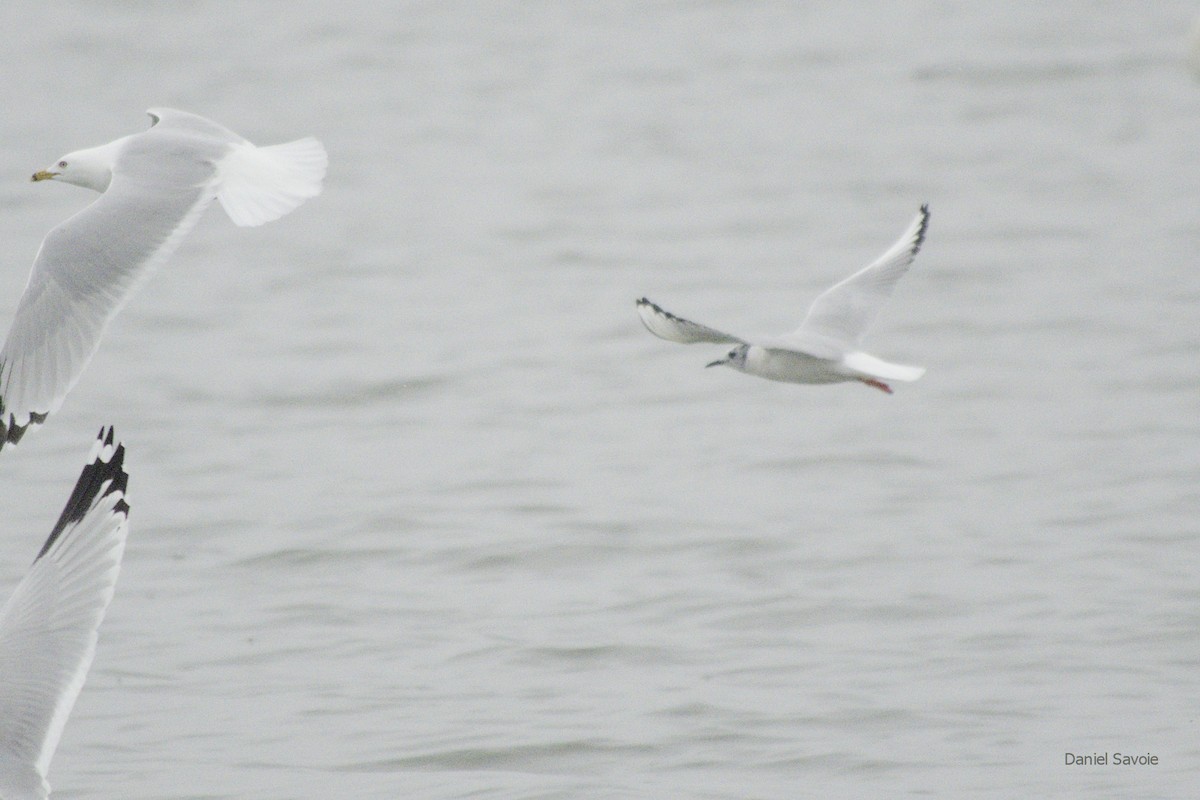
<point x="420" y="510"/>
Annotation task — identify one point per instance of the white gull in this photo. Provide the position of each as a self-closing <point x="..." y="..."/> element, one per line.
<point x="826" y="346"/>
<point x="154" y="186"/>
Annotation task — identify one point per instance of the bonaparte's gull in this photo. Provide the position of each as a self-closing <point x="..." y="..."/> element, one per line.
<point x="154" y="186"/>
<point x="825" y="348"/>
<point x="48" y="626"/>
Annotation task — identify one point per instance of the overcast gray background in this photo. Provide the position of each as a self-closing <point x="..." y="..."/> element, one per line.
<point x="420" y="510"/>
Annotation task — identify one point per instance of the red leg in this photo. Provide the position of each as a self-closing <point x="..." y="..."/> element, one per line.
<point x="878" y="384"/>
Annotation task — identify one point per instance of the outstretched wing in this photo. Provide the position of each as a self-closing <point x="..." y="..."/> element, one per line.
<point x="847" y="310"/>
<point x="48" y="627"/>
<point x="666" y="325"/>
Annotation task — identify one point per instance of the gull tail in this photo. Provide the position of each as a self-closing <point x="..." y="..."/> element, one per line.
<point x="873" y="367"/>
<point x="260" y="184"/>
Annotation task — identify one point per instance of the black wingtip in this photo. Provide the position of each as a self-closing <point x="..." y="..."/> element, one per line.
<point x="645" y="301"/>
<point x="920" y="240"/>
<point x="11" y="433"/>
<point x="106" y="467"/>
<point x="662" y="312"/>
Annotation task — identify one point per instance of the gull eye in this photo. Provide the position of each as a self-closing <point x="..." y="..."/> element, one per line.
<point x="62" y="164"/>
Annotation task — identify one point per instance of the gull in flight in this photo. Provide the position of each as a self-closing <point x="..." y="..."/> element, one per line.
<point x="154" y="186"/>
<point x="826" y="346"/>
<point x="48" y="627"/>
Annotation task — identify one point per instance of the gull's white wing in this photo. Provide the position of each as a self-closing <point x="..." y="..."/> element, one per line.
<point x="847" y="310"/>
<point x="48" y="627"/>
<point x="666" y="325"/>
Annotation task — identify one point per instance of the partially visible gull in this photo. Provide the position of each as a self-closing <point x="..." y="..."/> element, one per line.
<point x="48" y="627"/>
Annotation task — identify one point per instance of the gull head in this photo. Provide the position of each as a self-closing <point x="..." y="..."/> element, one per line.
<point x="735" y="358"/>
<point x="91" y="169"/>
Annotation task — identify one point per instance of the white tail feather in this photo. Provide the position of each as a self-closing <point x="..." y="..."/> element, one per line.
<point x="260" y="184"/>
<point x="877" y="368"/>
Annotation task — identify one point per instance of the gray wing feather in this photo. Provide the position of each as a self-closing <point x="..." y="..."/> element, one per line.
<point x="666" y="325"/>
<point x="847" y="310"/>
<point x="185" y="122"/>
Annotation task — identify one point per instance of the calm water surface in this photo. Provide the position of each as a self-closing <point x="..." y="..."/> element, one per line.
<point x="420" y="510"/>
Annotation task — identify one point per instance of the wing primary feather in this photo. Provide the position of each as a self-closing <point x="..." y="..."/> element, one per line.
<point x="665" y="325"/>
<point x="103" y="475"/>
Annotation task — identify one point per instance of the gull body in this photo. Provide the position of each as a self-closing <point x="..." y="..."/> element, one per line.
<point x="48" y="628"/>
<point x="154" y="186"/>
<point x="826" y="348"/>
